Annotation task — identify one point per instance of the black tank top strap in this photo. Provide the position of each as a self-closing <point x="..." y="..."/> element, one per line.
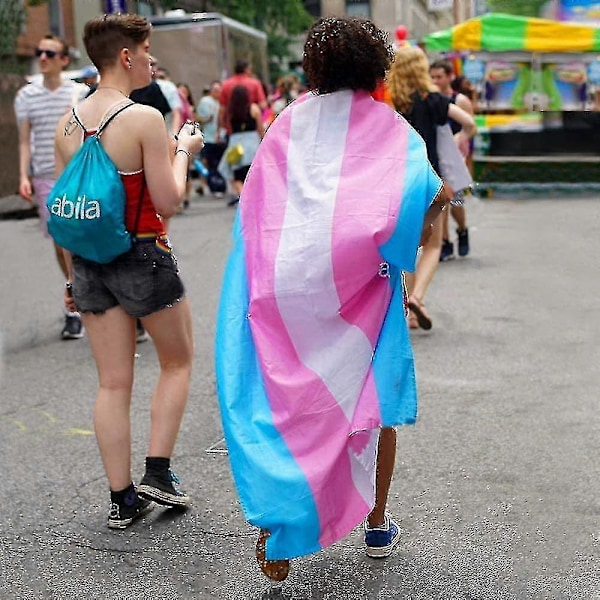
<point x="109" y="116"/>
<point x="78" y="121"/>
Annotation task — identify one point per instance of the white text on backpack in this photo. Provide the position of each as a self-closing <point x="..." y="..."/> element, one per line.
<point x="82" y="208"/>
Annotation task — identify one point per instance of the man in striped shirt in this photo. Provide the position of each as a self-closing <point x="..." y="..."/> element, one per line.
<point x="39" y="107"/>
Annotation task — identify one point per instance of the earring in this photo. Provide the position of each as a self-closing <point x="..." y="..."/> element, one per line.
<point x="128" y="64"/>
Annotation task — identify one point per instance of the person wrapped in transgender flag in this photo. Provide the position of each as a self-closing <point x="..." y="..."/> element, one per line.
<point x="313" y="355"/>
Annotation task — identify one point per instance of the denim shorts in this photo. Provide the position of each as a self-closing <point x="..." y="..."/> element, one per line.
<point x="142" y="281"/>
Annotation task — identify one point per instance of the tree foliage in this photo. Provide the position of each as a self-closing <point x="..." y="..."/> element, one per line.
<point x="526" y="8"/>
<point x="273" y="17"/>
<point x="12" y="20"/>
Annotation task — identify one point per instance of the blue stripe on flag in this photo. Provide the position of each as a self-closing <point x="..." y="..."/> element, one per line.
<point x="265" y="472"/>
<point x="399" y="250"/>
<point x="396" y="387"/>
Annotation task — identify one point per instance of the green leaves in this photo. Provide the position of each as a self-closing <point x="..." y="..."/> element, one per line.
<point x="281" y="20"/>
<point x="12" y="19"/>
<point x="525" y="8"/>
<point x="281" y="16"/>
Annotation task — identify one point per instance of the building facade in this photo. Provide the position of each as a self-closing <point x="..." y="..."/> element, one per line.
<point x="420" y="17"/>
<point x="67" y="18"/>
<point x="54" y="16"/>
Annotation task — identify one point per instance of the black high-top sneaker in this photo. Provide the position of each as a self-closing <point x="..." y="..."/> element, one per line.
<point x="463" y="242"/>
<point x="161" y="486"/>
<point x="125" y="507"/>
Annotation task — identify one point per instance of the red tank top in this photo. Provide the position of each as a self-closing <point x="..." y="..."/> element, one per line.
<point x="150" y="223"/>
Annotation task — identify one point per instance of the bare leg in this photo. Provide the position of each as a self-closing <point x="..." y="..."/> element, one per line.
<point x="386" y="459"/>
<point x="459" y="214"/>
<point x="428" y="264"/>
<point x="171" y="330"/>
<point x="60" y="258"/>
<point x="112" y="338"/>
<point x="238" y="186"/>
<point x="445" y="229"/>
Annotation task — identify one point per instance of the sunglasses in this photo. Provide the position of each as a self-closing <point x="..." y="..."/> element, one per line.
<point x="48" y="53"/>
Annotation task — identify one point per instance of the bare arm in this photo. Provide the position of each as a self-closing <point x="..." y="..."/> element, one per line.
<point x="467" y="123"/>
<point x="256" y="113"/>
<point x="463" y="118"/>
<point x="59" y="166"/>
<point x="176" y="122"/>
<point x="165" y="174"/>
<point x="60" y="160"/>
<point x="25" y="189"/>
<point x="463" y="102"/>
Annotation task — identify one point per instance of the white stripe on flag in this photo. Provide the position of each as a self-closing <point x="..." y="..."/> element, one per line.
<point x="363" y="467"/>
<point x="337" y="351"/>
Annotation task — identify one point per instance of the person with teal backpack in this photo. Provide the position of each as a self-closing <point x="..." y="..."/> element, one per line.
<point x="87" y="204"/>
<point x="121" y="176"/>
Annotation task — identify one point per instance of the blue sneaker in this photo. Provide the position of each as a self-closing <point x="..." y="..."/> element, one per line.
<point x="447" y="251"/>
<point x="380" y="541"/>
<point x="463" y="242"/>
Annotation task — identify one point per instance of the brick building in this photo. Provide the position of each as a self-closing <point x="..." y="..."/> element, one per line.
<point x="56" y="17"/>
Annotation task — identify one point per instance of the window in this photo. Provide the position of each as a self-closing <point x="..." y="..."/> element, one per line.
<point x="55" y="18"/>
<point x="313" y="7"/>
<point x="358" y="8"/>
<point x="145" y="9"/>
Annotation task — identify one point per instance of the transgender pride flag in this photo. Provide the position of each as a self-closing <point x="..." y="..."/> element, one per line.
<point x="312" y="350"/>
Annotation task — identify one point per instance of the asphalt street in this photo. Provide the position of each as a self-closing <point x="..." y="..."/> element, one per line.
<point x="496" y="488"/>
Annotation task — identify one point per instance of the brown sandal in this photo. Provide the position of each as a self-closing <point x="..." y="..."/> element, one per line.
<point x="277" y="570"/>
<point x="418" y="309"/>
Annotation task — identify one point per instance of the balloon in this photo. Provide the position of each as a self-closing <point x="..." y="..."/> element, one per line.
<point x="401" y="33"/>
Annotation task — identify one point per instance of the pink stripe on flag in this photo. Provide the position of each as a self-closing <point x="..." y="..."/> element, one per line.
<point x="372" y="174"/>
<point x="368" y="198"/>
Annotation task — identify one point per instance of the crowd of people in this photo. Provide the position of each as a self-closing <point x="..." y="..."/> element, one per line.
<point x="328" y="333"/>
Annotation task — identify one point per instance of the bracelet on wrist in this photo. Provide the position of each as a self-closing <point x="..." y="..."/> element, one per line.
<point x="189" y="154"/>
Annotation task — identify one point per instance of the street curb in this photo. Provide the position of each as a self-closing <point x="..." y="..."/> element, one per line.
<point x="14" y="207"/>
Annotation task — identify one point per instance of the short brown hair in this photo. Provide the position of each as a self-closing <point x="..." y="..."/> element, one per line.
<point x="105" y="36"/>
<point x="64" y="50"/>
<point x="446" y="65"/>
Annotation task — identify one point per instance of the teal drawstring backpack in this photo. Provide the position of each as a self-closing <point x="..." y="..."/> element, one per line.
<point x="87" y="203"/>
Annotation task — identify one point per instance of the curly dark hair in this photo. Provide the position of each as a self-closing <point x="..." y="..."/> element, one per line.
<point x="345" y="53"/>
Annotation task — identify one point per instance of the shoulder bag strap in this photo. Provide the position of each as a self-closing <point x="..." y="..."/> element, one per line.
<point x="101" y="128"/>
<point x="78" y="121"/>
